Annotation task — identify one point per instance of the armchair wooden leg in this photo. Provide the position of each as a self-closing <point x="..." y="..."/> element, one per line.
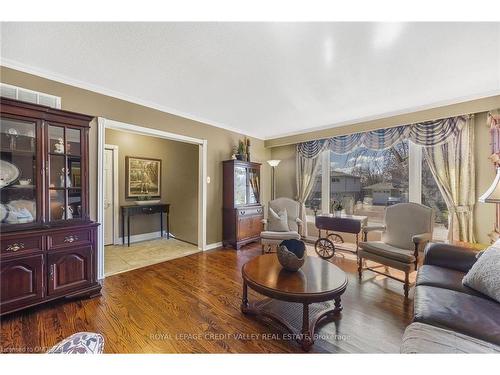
<point x="416" y="256"/>
<point x="360" y="267"/>
<point x="406" y="286"/>
<point x="263" y="249"/>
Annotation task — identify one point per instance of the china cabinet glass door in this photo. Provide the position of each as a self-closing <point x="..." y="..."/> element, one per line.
<point x="64" y="173"/>
<point x="18" y="172"/>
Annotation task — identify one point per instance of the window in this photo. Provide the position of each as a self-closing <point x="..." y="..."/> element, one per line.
<point x="367" y="181"/>
<point x="432" y="197"/>
<point x="313" y="203"/>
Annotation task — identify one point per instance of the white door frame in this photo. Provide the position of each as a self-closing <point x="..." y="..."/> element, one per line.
<point x="102" y="125"/>
<point x="116" y="203"/>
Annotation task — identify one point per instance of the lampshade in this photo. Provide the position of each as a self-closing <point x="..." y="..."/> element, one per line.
<point x="273" y="163"/>
<point x="492" y="195"/>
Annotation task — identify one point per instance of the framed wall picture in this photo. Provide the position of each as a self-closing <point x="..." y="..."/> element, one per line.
<point x="142" y="177"/>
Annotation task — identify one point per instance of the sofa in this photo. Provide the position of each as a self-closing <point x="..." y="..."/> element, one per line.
<point x="448" y="316"/>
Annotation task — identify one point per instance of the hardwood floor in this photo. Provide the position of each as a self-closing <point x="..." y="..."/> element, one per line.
<point x="192" y="305"/>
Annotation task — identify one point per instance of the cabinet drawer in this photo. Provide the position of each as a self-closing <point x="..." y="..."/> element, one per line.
<point x="68" y="238"/>
<point x="21" y="245"/>
<point x="250" y="211"/>
<point x="249" y="227"/>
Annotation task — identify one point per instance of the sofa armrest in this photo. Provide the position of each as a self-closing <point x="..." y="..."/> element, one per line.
<point x="449" y="256"/>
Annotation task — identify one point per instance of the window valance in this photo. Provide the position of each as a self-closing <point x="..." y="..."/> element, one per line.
<point x="429" y="133"/>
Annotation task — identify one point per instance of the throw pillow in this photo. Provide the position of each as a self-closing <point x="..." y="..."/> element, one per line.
<point x="278" y="222"/>
<point x="484" y="275"/>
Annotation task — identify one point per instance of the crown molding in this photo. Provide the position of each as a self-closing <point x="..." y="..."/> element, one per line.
<point x="12" y="64"/>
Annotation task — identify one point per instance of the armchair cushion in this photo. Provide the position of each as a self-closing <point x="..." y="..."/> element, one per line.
<point x="387" y="251"/>
<point x="277" y="221"/>
<point x="371" y="228"/>
<point x="290" y="235"/>
<point x="292" y="208"/>
<point x="405" y="220"/>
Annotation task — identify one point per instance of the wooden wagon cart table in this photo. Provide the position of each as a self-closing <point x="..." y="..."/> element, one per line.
<point x="325" y="246"/>
<point x="318" y="283"/>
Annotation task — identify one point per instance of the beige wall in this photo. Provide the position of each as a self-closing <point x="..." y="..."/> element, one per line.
<point x="220" y="141"/>
<point x="179" y="181"/>
<point x="484" y="213"/>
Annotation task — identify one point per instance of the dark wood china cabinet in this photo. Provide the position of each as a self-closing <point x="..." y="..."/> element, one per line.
<point x="243" y="212"/>
<point x="48" y="242"/>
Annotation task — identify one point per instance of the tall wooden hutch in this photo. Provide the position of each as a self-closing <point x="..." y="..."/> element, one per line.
<point x="243" y="212"/>
<point x="48" y="242"/>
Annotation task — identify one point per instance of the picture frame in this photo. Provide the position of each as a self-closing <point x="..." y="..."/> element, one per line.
<point x="142" y="177"/>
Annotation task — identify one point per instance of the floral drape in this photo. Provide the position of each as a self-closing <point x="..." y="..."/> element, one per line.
<point x="452" y="165"/>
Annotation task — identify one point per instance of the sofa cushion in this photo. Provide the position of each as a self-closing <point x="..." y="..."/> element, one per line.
<point x="387" y="251"/>
<point x="484" y="276"/>
<point x="424" y="338"/>
<point x="467" y="314"/>
<point x="443" y="278"/>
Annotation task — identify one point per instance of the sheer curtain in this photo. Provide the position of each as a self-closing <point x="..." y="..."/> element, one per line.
<point x="452" y="165"/>
<point x="306" y="172"/>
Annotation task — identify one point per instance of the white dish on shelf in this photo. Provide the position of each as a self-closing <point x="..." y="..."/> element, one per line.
<point x="8" y="173"/>
<point x="145" y="203"/>
<point x="23" y="186"/>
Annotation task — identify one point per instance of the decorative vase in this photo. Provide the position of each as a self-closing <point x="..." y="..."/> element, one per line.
<point x="292" y="254"/>
<point x="337" y="213"/>
<point x="239" y="156"/>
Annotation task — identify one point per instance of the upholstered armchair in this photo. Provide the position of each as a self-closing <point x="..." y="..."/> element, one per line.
<point x="270" y="239"/>
<point x="406" y="230"/>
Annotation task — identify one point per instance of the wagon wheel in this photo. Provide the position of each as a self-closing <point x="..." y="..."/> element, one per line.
<point x="324" y="248"/>
<point x="335" y="238"/>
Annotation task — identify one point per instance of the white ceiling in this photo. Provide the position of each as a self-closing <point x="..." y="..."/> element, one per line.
<point x="266" y="79"/>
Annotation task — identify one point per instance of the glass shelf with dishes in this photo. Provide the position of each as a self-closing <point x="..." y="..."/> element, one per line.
<point x="18" y="177"/>
<point x="64" y="173"/>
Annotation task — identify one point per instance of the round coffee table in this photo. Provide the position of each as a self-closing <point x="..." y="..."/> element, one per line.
<point x="317" y="281"/>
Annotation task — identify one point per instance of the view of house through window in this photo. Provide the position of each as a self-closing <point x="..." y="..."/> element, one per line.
<point x="366" y="181"/>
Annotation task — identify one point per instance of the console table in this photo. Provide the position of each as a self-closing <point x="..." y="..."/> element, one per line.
<point x="149" y="209"/>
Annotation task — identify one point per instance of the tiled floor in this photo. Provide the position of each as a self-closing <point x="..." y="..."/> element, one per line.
<point x="118" y="258"/>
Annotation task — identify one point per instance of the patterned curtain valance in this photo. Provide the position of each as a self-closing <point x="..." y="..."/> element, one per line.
<point x="429" y="133"/>
<point x="312" y="149"/>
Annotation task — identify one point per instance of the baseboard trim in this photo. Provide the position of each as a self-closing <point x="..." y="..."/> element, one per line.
<point x="212" y="246"/>
<point x="144" y="237"/>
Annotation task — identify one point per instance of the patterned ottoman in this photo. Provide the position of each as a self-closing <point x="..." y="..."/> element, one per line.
<point x="80" y="343"/>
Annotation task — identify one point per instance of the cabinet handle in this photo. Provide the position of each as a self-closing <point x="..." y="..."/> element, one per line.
<point x="15" y="247"/>
<point x="51" y="272"/>
<point x="242" y="212"/>
<point x="69" y="239"/>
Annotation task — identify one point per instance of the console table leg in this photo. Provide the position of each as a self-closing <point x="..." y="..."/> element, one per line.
<point x="161" y="225"/>
<point x="168" y="225"/>
<point x="128" y="230"/>
<point x="123" y="229"/>
<point x="306" y="341"/>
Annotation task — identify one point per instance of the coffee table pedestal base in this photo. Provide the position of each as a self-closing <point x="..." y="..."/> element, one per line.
<point x="287" y="313"/>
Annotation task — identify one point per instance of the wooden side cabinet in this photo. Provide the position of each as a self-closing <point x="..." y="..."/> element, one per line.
<point x="242" y="211"/>
<point x="47" y="240"/>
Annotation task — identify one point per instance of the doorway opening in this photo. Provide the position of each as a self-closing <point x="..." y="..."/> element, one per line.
<point x="151" y="196"/>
